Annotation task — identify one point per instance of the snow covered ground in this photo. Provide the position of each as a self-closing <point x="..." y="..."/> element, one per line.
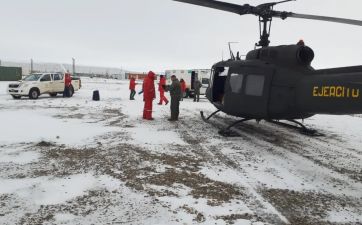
<point x="76" y="161"/>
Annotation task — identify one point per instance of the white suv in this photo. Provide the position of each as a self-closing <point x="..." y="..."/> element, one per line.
<point x="37" y="84"/>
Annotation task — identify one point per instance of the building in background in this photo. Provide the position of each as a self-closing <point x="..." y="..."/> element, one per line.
<point x="91" y="71"/>
<point x="10" y="73"/>
<point x="137" y="76"/>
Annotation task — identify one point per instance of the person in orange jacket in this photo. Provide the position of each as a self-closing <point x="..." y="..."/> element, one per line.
<point x="148" y="95"/>
<point x="161" y="89"/>
<point x="132" y="88"/>
<point x="183" y="88"/>
<point x="67" y="85"/>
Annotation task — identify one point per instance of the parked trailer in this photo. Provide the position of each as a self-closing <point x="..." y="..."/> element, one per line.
<point x="10" y="73"/>
<point x="189" y="77"/>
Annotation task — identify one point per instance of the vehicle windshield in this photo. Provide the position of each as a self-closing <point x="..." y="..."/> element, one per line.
<point x="32" y="77"/>
<point x="205" y="81"/>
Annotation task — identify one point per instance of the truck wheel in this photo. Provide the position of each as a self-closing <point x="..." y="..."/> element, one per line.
<point x="33" y="93"/>
<point x="53" y="94"/>
<point x="16" y="97"/>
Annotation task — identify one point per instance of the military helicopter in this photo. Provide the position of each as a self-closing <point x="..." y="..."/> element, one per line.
<point x="278" y="83"/>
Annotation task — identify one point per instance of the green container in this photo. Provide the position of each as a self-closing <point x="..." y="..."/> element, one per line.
<point x="10" y="73"/>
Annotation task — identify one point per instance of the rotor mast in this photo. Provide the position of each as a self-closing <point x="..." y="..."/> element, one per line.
<point x="265" y="21"/>
<point x="264" y="29"/>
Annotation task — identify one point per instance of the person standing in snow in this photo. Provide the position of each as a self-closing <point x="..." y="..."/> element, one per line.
<point x="132" y="88"/>
<point x="162" y="91"/>
<point x="67" y="85"/>
<point x="175" y="92"/>
<point x="197" y="86"/>
<point x="183" y="89"/>
<point x="148" y="95"/>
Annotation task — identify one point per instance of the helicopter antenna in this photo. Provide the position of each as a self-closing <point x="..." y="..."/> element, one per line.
<point x="231" y="52"/>
<point x="266" y="12"/>
<point x="238" y="56"/>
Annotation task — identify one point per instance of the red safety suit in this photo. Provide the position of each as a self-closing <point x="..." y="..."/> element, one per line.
<point x="162" y="91"/>
<point x="148" y="94"/>
<point x="67" y="84"/>
<point x="132" y="84"/>
<point x="183" y="86"/>
<point x="67" y="80"/>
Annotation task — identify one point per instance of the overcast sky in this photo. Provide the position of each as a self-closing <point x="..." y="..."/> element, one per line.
<point x="156" y="35"/>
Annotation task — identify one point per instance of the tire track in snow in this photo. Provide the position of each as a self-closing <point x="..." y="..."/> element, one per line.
<point x="255" y="201"/>
<point x="273" y="138"/>
<point x="331" y="155"/>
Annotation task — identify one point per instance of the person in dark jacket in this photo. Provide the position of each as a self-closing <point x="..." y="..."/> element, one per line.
<point x="162" y="91"/>
<point x="67" y="85"/>
<point x="148" y="95"/>
<point x="132" y="88"/>
<point x="197" y="86"/>
<point x="175" y="92"/>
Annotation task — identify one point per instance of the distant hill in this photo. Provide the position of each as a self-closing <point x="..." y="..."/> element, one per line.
<point x="57" y="67"/>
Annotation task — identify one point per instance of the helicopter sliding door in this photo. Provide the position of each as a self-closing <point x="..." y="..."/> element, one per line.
<point x="247" y="92"/>
<point x="217" y="85"/>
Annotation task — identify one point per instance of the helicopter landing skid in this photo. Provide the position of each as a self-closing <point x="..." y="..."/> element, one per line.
<point x="227" y="132"/>
<point x="207" y="119"/>
<point x="302" y="129"/>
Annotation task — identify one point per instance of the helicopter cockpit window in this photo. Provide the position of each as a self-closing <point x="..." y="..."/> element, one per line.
<point x="254" y="85"/>
<point x="223" y="71"/>
<point x="236" y="82"/>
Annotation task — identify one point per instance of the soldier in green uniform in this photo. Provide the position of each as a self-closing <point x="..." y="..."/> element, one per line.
<point x="197" y="86"/>
<point x="175" y="92"/>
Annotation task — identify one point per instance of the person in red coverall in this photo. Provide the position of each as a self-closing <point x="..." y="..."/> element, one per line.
<point x="67" y="84"/>
<point x="161" y="85"/>
<point x="183" y="88"/>
<point x="148" y="94"/>
<point x="132" y="88"/>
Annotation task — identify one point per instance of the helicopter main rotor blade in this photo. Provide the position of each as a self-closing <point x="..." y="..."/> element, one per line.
<point x="265" y="11"/>
<point x="326" y="18"/>
<point x="225" y="6"/>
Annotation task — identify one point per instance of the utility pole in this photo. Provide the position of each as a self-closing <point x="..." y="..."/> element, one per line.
<point x="73" y="59"/>
<point x="31" y="66"/>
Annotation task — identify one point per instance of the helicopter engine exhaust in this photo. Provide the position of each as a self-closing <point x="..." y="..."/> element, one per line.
<point x="285" y="55"/>
<point x="305" y="55"/>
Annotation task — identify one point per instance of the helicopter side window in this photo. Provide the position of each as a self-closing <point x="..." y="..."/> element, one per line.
<point x="236" y="82"/>
<point x="254" y="85"/>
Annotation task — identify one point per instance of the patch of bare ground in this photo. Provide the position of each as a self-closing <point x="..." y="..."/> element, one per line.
<point x="45" y="144"/>
<point x="216" y="192"/>
<point x="308" y="208"/>
<point x="230" y="219"/>
<point x="137" y="168"/>
<point x="199" y="217"/>
<point x="70" y="116"/>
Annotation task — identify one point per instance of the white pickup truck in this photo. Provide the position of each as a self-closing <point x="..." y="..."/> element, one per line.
<point x="37" y="84"/>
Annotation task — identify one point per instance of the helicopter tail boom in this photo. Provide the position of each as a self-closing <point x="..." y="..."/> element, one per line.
<point x="333" y="91"/>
